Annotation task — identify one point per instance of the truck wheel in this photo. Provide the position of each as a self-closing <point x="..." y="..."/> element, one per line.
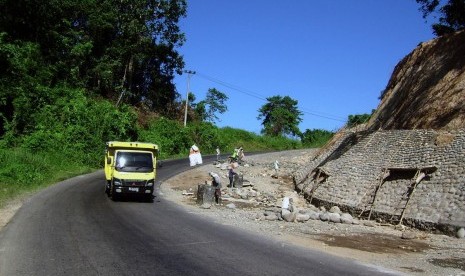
<point x="149" y="198"/>
<point x="113" y="195"/>
<point x="107" y="188"/>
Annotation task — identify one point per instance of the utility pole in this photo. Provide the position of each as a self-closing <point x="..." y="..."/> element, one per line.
<point x="189" y="74"/>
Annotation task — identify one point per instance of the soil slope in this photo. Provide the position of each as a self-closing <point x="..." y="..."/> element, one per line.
<point x="426" y="89"/>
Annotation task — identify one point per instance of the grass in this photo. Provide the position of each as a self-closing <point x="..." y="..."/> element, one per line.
<point x="23" y="171"/>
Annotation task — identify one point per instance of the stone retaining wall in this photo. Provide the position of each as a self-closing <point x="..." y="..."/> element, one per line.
<point x="352" y="170"/>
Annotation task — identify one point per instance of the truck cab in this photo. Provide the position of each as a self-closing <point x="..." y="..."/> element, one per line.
<point x="130" y="169"/>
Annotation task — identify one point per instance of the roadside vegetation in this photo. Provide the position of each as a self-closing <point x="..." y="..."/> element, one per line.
<point x="64" y="133"/>
<point x="74" y="75"/>
<point x="59" y="148"/>
<point x="24" y="171"/>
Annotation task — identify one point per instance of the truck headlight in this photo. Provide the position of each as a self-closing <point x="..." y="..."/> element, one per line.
<point x="150" y="183"/>
<point x="117" y="182"/>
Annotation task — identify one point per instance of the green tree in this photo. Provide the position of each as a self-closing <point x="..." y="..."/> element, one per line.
<point x="23" y="75"/>
<point x="214" y="103"/>
<point x="358" y="119"/>
<point x="200" y="110"/>
<point x="451" y="14"/>
<point x="111" y="47"/>
<point x="280" y="116"/>
<point x="315" y="137"/>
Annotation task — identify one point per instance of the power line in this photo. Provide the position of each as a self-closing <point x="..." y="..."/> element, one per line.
<point x="232" y="86"/>
<point x="334" y="118"/>
<point x="263" y="98"/>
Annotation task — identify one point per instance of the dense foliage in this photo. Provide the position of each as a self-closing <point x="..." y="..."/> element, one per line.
<point x="315" y="137"/>
<point x="75" y="74"/>
<point x="69" y="122"/>
<point x="280" y="116"/>
<point x="112" y="48"/>
<point x="72" y="142"/>
<point x="451" y="14"/>
<point x="358" y="119"/>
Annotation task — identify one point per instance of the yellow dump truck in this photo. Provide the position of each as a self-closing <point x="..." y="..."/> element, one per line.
<point x="130" y="169"/>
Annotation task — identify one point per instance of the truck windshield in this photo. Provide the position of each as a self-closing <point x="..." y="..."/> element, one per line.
<point x="127" y="161"/>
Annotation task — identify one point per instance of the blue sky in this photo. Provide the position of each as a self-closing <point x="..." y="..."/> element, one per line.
<point x="333" y="56"/>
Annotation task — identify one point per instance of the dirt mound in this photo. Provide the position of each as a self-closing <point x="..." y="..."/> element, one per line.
<point x="426" y="89"/>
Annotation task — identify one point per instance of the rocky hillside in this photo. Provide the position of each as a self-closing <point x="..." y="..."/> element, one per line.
<point x="426" y="89"/>
<point x="406" y="165"/>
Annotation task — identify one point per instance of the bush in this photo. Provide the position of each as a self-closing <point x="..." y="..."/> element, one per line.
<point x="205" y="135"/>
<point x="170" y="136"/>
<point x="79" y="126"/>
<point x="316" y="137"/>
<point x="231" y="138"/>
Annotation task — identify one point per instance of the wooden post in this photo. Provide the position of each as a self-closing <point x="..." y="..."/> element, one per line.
<point x="418" y="177"/>
<point x="386" y="174"/>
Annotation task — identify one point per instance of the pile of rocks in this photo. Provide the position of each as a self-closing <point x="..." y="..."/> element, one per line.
<point x="249" y="195"/>
<point x="291" y="214"/>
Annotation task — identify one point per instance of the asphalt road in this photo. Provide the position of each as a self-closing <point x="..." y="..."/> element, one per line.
<point x="72" y="228"/>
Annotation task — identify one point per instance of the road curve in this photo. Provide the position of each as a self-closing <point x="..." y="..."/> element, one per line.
<point x="72" y="228"/>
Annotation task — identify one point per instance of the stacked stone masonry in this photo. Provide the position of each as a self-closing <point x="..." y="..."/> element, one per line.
<point x="351" y="174"/>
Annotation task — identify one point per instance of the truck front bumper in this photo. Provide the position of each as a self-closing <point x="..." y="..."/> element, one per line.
<point x="133" y="190"/>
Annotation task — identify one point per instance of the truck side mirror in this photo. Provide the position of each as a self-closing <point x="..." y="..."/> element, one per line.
<point x="159" y="164"/>
<point x="108" y="160"/>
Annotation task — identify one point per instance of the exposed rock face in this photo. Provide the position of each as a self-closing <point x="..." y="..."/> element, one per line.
<point x="426" y="89"/>
<point x="407" y="165"/>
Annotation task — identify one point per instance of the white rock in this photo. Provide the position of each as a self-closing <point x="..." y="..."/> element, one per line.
<point x="461" y="233"/>
<point x="314" y="215"/>
<point x="335" y="217"/>
<point x="272" y="217"/>
<point x="206" y="206"/>
<point x="409" y="235"/>
<point x="369" y="223"/>
<point x="324" y="216"/>
<point x="285" y="212"/>
<point x="302" y="217"/>
<point x="287" y="215"/>
<point x="346" y="218"/>
<point x="335" y="209"/>
<point x="252" y="193"/>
